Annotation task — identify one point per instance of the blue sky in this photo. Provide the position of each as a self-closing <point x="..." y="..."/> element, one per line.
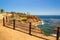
<point x="35" y="7"/>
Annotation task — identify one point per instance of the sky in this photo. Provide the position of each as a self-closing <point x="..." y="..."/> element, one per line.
<point x="34" y="7"/>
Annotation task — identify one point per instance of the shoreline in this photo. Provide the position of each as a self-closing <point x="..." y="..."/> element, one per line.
<point x="42" y="35"/>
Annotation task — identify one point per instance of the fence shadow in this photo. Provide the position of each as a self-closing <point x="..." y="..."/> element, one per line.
<point x="26" y="33"/>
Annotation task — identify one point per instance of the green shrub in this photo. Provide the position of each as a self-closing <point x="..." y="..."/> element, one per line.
<point x="24" y="20"/>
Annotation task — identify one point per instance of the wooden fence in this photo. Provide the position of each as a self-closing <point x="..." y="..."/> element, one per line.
<point x="30" y="29"/>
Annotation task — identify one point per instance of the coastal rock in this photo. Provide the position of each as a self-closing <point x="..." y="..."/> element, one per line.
<point x="33" y="19"/>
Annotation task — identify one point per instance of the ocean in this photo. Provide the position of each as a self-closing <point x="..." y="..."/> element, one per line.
<point x="55" y="19"/>
<point x="50" y="22"/>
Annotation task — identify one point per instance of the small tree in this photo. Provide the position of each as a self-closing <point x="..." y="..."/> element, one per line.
<point x="2" y="10"/>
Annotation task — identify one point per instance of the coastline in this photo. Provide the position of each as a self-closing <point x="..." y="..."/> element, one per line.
<point x="41" y="35"/>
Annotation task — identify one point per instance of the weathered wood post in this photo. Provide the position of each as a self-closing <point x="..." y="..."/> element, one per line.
<point x="3" y="21"/>
<point x="13" y="24"/>
<point x="29" y="28"/>
<point x="6" y="19"/>
<point x="58" y="28"/>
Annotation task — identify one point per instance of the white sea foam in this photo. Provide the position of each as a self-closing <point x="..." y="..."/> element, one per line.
<point x="53" y="34"/>
<point x="42" y="22"/>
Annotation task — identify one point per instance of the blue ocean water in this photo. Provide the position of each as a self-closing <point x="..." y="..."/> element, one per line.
<point x="49" y="16"/>
<point x="49" y="21"/>
<point x="55" y="19"/>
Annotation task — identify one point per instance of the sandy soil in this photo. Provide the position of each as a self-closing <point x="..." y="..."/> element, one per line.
<point x="10" y="34"/>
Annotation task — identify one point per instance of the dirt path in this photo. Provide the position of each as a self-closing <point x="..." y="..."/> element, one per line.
<point x="10" y="34"/>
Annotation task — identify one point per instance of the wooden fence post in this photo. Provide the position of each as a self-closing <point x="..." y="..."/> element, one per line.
<point x="29" y="28"/>
<point x="57" y="38"/>
<point x="3" y="21"/>
<point x="6" y="19"/>
<point x="14" y="24"/>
